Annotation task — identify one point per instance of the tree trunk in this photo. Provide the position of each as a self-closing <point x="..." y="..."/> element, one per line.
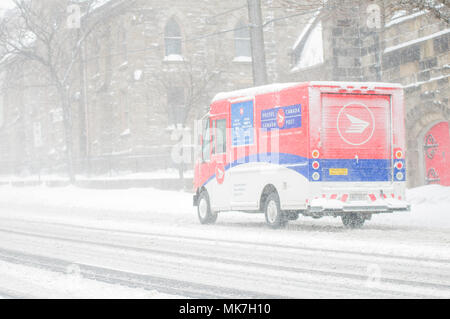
<point x="181" y="168"/>
<point x="181" y="174"/>
<point x="68" y="134"/>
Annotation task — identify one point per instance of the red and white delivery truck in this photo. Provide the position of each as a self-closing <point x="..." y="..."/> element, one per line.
<point x="315" y="148"/>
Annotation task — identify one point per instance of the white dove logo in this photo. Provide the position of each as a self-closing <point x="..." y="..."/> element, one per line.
<point x="357" y="126"/>
<point x="358" y="131"/>
<point x="220" y="173"/>
<point x="280" y="118"/>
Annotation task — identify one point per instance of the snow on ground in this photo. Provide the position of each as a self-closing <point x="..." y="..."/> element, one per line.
<point x="430" y="209"/>
<point x="430" y="204"/>
<point x="422" y="232"/>
<point x="130" y="200"/>
<point x="40" y="283"/>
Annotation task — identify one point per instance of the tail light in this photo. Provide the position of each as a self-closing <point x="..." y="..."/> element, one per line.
<point x="315" y="165"/>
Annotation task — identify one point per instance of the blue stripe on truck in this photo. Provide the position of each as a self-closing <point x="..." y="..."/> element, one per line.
<point x="363" y="170"/>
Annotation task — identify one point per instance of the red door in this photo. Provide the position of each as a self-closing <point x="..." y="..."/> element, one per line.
<point x="437" y="154"/>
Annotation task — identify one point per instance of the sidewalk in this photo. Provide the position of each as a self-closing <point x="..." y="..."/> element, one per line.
<point x="163" y="179"/>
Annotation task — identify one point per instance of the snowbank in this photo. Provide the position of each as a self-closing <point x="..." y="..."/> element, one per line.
<point x="129" y="200"/>
<point x="169" y="173"/>
<point x="430" y="208"/>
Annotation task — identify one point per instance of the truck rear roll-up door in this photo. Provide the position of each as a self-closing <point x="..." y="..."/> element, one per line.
<point x="356" y="137"/>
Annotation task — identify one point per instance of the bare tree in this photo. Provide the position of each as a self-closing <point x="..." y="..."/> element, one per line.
<point x="438" y="8"/>
<point x="51" y="34"/>
<point x="196" y="83"/>
<point x="302" y="5"/>
<point x="197" y="79"/>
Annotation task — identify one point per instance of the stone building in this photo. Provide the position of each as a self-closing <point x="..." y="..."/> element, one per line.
<point x="154" y="65"/>
<point x="407" y="48"/>
<point x="416" y="53"/>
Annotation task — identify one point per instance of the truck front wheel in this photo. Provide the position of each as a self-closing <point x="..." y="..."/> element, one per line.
<point x="353" y="220"/>
<point x="205" y="215"/>
<point x="274" y="216"/>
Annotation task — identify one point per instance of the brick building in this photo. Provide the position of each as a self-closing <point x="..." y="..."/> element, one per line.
<point x="153" y="65"/>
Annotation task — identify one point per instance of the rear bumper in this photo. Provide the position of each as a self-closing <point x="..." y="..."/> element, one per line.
<point x="334" y="206"/>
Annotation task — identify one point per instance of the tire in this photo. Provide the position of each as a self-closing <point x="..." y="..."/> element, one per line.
<point x="205" y="215"/>
<point x="274" y="215"/>
<point x="292" y="216"/>
<point x="353" y="220"/>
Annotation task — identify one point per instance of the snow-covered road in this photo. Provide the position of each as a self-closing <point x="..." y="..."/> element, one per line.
<point x="74" y="243"/>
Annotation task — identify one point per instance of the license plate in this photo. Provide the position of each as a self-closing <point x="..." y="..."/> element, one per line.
<point x="338" y="171"/>
<point x="358" y="197"/>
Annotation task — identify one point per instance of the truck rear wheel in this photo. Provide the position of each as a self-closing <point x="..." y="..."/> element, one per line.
<point x="274" y="216"/>
<point x="353" y="220"/>
<point x="205" y="215"/>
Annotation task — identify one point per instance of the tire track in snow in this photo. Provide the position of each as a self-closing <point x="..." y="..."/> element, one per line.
<point x="247" y="243"/>
<point x="132" y="280"/>
<point x="292" y="269"/>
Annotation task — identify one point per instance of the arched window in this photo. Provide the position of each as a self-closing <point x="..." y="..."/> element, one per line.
<point x="172" y="38"/>
<point x="242" y="45"/>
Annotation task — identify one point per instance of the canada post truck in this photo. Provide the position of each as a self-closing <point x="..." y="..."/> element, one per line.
<point x="315" y="148"/>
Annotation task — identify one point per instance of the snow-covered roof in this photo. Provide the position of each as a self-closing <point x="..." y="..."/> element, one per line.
<point x="408" y="43"/>
<point x="250" y="92"/>
<point x="414" y="84"/>
<point x="355" y="84"/>
<point x="99" y="3"/>
<point x="401" y="16"/>
<point x="310" y="42"/>
<point x="306" y="29"/>
<point x="277" y="87"/>
<point x="312" y="51"/>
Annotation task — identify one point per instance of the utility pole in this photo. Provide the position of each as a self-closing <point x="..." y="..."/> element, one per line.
<point x="257" y="42"/>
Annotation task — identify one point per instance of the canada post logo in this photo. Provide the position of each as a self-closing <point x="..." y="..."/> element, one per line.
<point x="282" y="118"/>
<point x="220" y="173"/>
<point x="356" y="124"/>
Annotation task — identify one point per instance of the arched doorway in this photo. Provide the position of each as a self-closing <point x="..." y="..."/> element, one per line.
<point x="437" y="154"/>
